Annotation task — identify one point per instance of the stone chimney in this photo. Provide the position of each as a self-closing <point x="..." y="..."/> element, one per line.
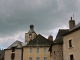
<point x="71" y="23"/>
<point x="50" y="38"/>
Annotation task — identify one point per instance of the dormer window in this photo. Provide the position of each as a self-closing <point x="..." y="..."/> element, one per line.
<point x="30" y="35"/>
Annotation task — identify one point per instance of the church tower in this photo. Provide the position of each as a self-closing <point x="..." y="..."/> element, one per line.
<point x="30" y="35"/>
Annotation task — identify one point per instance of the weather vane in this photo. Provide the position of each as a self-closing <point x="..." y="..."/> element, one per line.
<point x="73" y="16"/>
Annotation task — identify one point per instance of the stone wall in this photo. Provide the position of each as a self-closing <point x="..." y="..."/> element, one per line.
<point x="57" y="52"/>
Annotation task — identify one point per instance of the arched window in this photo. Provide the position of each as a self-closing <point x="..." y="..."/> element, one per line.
<point x="30" y="35"/>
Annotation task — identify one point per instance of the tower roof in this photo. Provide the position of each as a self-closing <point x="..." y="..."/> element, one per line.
<point x="31" y="29"/>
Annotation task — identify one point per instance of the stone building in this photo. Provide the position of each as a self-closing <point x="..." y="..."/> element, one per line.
<point x="56" y="48"/>
<point x="71" y="40"/>
<point x="62" y="48"/>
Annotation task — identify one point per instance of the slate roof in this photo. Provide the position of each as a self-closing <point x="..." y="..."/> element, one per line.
<point x="59" y="37"/>
<point x="39" y="40"/>
<point x="17" y="44"/>
<point x="77" y="27"/>
<point x="61" y="32"/>
<point x="1" y="54"/>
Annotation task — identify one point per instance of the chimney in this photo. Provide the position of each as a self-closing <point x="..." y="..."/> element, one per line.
<point x="50" y="38"/>
<point x="71" y="23"/>
<point x="31" y="26"/>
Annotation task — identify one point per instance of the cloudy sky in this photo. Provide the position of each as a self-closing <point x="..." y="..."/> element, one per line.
<point x="47" y="16"/>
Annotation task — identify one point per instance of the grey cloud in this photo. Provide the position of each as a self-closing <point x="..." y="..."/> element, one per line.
<point x="17" y="15"/>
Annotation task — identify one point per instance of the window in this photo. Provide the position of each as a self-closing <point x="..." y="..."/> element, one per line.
<point x="37" y="58"/>
<point x="30" y="49"/>
<point x="38" y="50"/>
<point x="12" y="56"/>
<point x="54" y="52"/>
<point x="30" y="58"/>
<point x="71" y="57"/>
<point x="30" y="35"/>
<point x="70" y="43"/>
<point x="45" y="58"/>
<point x="44" y="49"/>
<point x="13" y="49"/>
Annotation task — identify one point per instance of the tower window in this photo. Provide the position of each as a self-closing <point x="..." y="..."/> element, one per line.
<point x="70" y="43"/>
<point x="71" y="57"/>
<point x="30" y="35"/>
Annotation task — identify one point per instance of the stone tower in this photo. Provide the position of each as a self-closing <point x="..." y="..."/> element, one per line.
<point x="30" y="35"/>
<point x="71" y="23"/>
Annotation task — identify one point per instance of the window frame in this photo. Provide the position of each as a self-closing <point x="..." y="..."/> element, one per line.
<point x="37" y="49"/>
<point x="30" y="49"/>
<point x="70" y="43"/>
<point x="37" y="58"/>
<point x="30" y="35"/>
<point x="45" y="58"/>
<point x="71" y="57"/>
<point x="13" y="49"/>
<point x="13" y="56"/>
<point x="45" y="50"/>
<point x="30" y="58"/>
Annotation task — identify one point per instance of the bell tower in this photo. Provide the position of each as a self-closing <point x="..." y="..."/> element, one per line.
<point x="30" y="35"/>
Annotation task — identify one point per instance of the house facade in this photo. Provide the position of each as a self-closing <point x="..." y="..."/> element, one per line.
<point x="14" y="51"/>
<point x="71" y="46"/>
<point x="37" y="49"/>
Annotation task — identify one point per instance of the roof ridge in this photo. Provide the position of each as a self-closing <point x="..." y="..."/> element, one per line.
<point x="39" y="40"/>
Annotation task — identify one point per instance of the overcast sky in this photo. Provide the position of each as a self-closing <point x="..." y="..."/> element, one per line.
<point x="47" y="16"/>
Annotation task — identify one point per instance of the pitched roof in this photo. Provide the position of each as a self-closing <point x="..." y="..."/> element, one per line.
<point x="61" y="32"/>
<point x="1" y="54"/>
<point x="17" y="44"/>
<point x="59" y="37"/>
<point x="77" y="27"/>
<point x="39" y="40"/>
